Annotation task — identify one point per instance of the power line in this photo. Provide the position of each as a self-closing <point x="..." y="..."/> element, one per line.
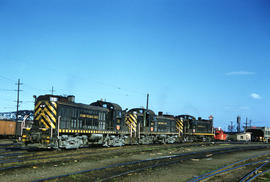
<point x="3" y="89"/>
<point x="5" y="78"/>
<point x="33" y="88"/>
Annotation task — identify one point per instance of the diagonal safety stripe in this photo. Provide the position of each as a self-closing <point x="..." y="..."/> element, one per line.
<point x="47" y="114"/>
<point x="180" y="126"/>
<point x="37" y="105"/>
<point x="180" y="122"/>
<point x="133" y="118"/>
<point x="50" y="107"/>
<point x="38" y="117"/>
<point x="133" y="125"/>
<point x="45" y="117"/>
<point x="50" y="115"/>
<point x="54" y="105"/>
<point x="130" y="125"/>
<point x="42" y="116"/>
<point x="130" y="122"/>
<point x="44" y="123"/>
<point x="37" y="111"/>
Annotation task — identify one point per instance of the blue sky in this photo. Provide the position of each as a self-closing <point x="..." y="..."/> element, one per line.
<point x="193" y="57"/>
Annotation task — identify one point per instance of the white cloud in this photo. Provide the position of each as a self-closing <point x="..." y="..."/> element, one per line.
<point x="240" y="73"/>
<point x="255" y="96"/>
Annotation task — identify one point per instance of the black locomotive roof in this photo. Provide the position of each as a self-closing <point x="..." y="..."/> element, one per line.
<point x="165" y="117"/>
<point x="85" y="106"/>
<point x="108" y="105"/>
<point x="141" y="111"/>
<point x="48" y="96"/>
<point x="186" y="117"/>
<point x="65" y="101"/>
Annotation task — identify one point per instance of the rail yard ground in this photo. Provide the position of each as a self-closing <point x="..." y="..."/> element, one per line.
<point x="32" y="165"/>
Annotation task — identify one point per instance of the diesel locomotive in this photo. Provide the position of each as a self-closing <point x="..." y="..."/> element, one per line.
<point x="60" y="122"/>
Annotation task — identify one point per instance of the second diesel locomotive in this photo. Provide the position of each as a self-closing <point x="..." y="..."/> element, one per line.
<point x="60" y="122"/>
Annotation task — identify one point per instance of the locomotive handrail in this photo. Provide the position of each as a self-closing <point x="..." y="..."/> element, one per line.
<point x="23" y="123"/>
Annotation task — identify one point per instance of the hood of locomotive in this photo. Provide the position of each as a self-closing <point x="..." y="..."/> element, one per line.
<point x="45" y="114"/>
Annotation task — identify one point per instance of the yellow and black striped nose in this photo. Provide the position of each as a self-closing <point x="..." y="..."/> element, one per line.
<point x="179" y="125"/>
<point x="131" y="121"/>
<point x="45" y="114"/>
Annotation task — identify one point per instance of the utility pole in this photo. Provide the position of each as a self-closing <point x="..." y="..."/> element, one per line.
<point x="147" y="101"/>
<point x="246" y="124"/>
<point x="145" y="112"/>
<point x="52" y="90"/>
<point x="231" y="127"/>
<point x="238" y="121"/>
<point x="18" y="98"/>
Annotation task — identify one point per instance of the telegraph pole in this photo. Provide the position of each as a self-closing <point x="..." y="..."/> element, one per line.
<point x="246" y="124"/>
<point x="18" y="98"/>
<point x="145" y="112"/>
<point x="52" y="90"/>
<point x="147" y="101"/>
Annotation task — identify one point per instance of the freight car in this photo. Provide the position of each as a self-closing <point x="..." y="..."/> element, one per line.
<point x="13" y="129"/>
<point x="7" y="128"/>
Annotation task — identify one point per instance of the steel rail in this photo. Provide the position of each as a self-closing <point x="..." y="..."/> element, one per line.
<point x="229" y="169"/>
<point x="253" y="171"/>
<point x="223" y="169"/>
<point x="268" y="170"/>
<point x="202" y="154"/>
<point x="29" y="158"/>
<point x="8" y="144"/>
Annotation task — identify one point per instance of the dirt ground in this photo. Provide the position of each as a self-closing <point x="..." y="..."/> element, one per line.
<point x="177" y="172"/>
<point x="187" y="170"/>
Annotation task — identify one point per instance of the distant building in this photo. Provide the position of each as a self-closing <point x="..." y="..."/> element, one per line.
<point x="243" y="137"/>
<point x="261" y="134"/>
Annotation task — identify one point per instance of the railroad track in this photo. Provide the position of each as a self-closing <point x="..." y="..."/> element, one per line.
<point x="255" y="166"/>
<point x="118" y="170"/>
<point x="25" y="159"/>
<point x="264" y="167"/>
